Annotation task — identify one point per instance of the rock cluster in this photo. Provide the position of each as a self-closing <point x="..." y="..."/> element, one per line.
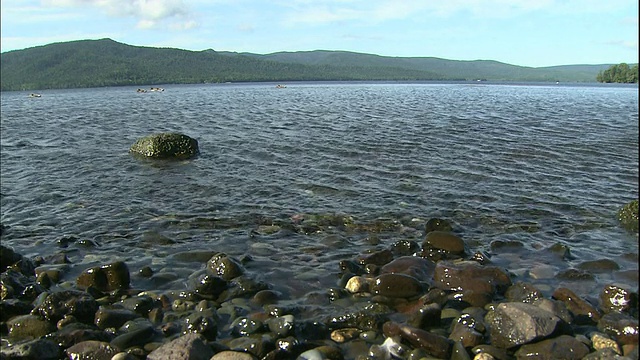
<point x="426" y="299"/>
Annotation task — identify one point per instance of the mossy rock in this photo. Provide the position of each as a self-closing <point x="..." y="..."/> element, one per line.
<point x="166" y="146"/>
<point x="628" y="216"/>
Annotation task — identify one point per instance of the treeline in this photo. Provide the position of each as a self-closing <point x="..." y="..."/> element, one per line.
<point x="621" y="73"/>
<point x="104" y="62"/>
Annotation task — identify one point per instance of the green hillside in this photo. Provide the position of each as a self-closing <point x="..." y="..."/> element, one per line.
<point x="95" y="63"/>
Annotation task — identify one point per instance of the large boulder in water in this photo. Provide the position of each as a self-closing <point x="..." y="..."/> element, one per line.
<point x="166" y="146"/>
<point x="628" y="216"/>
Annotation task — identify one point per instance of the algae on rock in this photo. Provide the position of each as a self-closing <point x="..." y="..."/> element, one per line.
<point x="166" y="146"/>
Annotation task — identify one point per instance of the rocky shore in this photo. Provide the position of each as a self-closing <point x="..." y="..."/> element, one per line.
<point x="432" y="298"/>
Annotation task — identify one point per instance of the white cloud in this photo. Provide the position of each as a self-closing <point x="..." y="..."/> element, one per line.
<point x="173" y="14"/>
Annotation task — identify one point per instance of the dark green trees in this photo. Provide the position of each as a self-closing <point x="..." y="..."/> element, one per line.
<point x="620" y="73"/>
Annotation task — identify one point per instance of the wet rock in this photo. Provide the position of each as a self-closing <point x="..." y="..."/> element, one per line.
<point x="265" y="297"/>
<point x="506" y="245"/>
<point x="557" y="308"/>
<point x="92" y="349"/>
<point x="433" y="344"/>
<point x="13" y="307"/>
<point x="225" y="267"/>
<point x="141" y="304"/>
<point x="439" y="245"/>
<point x="210" y="286"/>
<point x="512" y="324"/>
<point x="15" y="284"/>
<point x="522" y="292"/>
<point x="405" y="248"/>
<point x="343" y="335"/>
<point x="256" y="345"/>
<point x="417" y="267"/>
<point x="601" y="341"/>
<point x="563" y="347"/>
<point x="113" y="317"/>
<point x="471" y="282"/>
<point x="371" y="317"/>
<point x="484" y="351"/>
<point x="233" y="355"/>
<point x="616" y="298"/>
<point x="243" y="286"/>
<point x="582" y="311"/>
<point x="628" y="216"/>
<point x="136" y="337"/>
<point x="29" y="327"/>
<point x="605" y="354"/>
<point x="599" y="266"/>
<point x="575" y="275"/>
<point x="435" y="224"/>
<point x="358" y="284"/>
<point x="426" y="317"/>
<point x="465" y="333"/>
<point x="78" y="332"/>
<point x="186" y="347"/>
<point x="201" y="323"/>
<point x="396" y="286"/>
<point x="281" y="325"/>
<point x="9" y="258"/>
<point x="41" y="349"/>
<point x="622" y="327"/>
<point x="69" y="302"/>
<point x="166" y="146"/>
<point x="106" y="278"/>
<point x="378" y="258"/>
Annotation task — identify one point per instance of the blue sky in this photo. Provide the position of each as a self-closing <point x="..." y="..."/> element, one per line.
<point x="520" y="32"/>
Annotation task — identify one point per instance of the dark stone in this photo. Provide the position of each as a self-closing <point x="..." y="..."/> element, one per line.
<point x="622" y="327"/>
<point x="225" y="267"/>
<point x="379" y="258"/>
<point x="113" y="317"/>
<point x="522" y="292"/>
<point x="432" y="343"/>
<point x="616" y="298"/>
<point x="41" y="349"/>
<point x="563" y="347"/>
<point x="396" y="286"/>
<point x="201" y="324"/>
<point x="599" y="266"/>
<point x="417" y="267"/>
<point x="137" y="337"/>
<point x="426" y="317"/>
<point x="435" y="224"/>
<point x="442" y="245"/>
<point x="405" y="248"/>
<point x="166" y="146"/>
<point x="471" y="282"/>
<point x="29" y="327"/>
<point x="186" y="347"/>
<point x="106" y="278"/>
<point x="69" y="302"/>
<point x="514" y="323"/>
<point x="583" y="312"/>
<point x="574" y="275"/>
<point x="92" y="349"/>
<point x="210" y="286"/>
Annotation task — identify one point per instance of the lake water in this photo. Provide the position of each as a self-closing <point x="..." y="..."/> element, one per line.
<point x="539" y="164"/>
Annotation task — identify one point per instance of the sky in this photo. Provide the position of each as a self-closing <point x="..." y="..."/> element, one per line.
<point x="532" y="33"/>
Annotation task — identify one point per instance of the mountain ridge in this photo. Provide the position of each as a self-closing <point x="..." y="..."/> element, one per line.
<point x="106" y="62"/>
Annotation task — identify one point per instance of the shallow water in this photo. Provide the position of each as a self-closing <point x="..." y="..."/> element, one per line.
<point x="540" y="164"/>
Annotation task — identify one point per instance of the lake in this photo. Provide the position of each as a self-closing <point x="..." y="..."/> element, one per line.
<point x="532" y="164"/>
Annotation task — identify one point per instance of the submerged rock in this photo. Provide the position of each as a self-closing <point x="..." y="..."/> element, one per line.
<point x="166" y="146"/>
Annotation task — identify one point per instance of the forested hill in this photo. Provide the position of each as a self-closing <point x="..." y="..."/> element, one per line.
<point x="95" y="63"/>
